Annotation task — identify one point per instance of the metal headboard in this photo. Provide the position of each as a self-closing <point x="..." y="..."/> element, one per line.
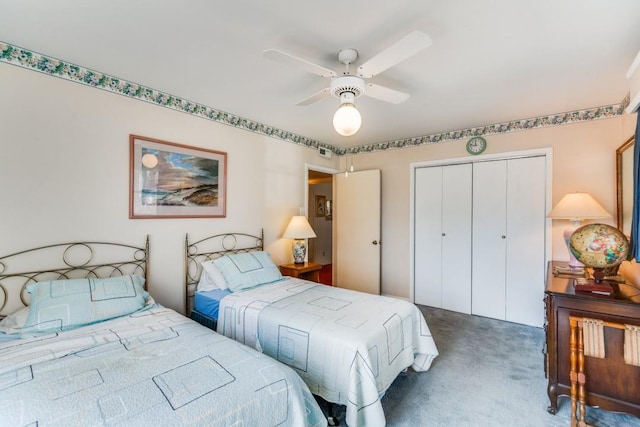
<point x="61" y="261"/>
<point x="210" y="248"/>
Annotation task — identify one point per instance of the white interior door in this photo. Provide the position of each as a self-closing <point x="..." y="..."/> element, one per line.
<point x="489" y="239"/>
<point x="357" y="231"/>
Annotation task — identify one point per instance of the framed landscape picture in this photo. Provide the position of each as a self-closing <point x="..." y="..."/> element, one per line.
<point x="320" y="205"/>
<point x="169" y="180"/>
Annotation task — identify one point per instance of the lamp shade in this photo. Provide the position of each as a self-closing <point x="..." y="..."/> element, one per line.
<point x="299" y="228"/>
<point x="347" y="120"/>
<point x="578" y="206"/>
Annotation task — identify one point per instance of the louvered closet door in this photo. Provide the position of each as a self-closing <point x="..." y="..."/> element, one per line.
<point x="489" y="239"/>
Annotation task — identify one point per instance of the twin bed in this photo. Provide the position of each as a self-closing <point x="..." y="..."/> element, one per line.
<point x="347" y="346"/>
<point x="92" y="348"/>
<point x="83" y="343"/>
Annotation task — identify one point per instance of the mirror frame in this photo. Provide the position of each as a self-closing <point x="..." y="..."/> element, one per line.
<point x="628" y="144"/>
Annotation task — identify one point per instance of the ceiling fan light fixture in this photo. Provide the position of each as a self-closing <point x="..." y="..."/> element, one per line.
<point x="347" y="87"/>
<point x="347" y="120"/>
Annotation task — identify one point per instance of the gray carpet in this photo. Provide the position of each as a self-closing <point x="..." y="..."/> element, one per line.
<point x="489" y="373"/>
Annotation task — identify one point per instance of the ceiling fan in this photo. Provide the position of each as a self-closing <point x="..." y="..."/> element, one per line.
<point x="347" y="86"/>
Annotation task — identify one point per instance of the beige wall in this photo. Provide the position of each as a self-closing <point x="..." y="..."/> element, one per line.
<point x="64" y="174"/>
<point x="583" y="160"/>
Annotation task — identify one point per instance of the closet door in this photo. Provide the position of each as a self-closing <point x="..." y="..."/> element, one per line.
<point x="489" y="239"/>
<point x="442" y="264"/>
<point x="526" y="211"/>
<point x="428" y="236"/>
<point x="456" y="237"/>
<point x="508" y="239"/>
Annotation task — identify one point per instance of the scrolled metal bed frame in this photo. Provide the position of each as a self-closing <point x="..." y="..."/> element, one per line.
<point x="60" y="261"/>
<point x="210" y="248"/>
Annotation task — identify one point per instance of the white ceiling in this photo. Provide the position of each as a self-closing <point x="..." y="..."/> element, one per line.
<point x="491" y="61"/>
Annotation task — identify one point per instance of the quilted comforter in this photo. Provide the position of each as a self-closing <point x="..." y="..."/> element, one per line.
<point x="153" y="367"/>
<point x="347" y="346"/>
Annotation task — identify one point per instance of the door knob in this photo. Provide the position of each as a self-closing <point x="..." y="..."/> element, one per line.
<point x="375" y="242"/>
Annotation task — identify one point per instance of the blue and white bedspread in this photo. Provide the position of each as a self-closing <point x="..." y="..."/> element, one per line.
<point x="151" y="368"/>
<point x="347" y="346"/>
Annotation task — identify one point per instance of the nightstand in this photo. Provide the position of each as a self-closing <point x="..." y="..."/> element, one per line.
<point x="308" y="271"/>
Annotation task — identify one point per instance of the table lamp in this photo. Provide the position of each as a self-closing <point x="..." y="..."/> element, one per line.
<point x="577" y="207"/>
<point x="299" y="229"/>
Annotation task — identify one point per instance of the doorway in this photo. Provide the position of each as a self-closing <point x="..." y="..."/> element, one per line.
<point x="320" y="214"/>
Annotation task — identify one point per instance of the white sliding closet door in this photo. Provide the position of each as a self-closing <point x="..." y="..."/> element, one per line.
<point x="442" y="247"/>
<point x="489" y="239"/>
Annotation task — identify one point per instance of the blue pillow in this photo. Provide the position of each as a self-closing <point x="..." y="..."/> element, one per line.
<point x="60" y="305"/>
<point x="247" y="270"/>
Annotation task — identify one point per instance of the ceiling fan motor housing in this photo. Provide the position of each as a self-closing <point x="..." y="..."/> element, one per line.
<point x="347" y="84"/>
<point x="347" y="56"/>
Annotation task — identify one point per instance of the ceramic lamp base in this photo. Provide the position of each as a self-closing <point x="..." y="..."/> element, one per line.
<point x="573" y="262"/>
<point x="299" y="251"/>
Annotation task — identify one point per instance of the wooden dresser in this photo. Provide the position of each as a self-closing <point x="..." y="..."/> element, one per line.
<point x="610" y="383"/>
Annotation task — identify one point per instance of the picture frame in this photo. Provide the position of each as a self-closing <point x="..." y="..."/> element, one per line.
<point x="171" y="180"/>
<point x="624" y="185"/>
<point x="320" y="205"/>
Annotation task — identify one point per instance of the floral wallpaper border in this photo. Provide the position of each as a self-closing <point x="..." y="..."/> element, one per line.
<point x="512" y="126"/>
<point x="34" y="61"/>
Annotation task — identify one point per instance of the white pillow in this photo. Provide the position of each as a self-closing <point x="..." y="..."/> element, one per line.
<point x="211" y="278"/>
<point x="15" y="321"/>
<point x="205" y="283"/>
<point x="247" y="270"/>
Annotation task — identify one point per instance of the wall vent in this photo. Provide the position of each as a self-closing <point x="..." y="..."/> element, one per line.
<point x="324" y="152"/>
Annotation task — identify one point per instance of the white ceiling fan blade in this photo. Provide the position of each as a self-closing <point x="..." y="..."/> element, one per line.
<point x="385" y="94"/>
<point x="315" y="97"/>
<point x="404" y="48"/>
<point x="280" y="56"/>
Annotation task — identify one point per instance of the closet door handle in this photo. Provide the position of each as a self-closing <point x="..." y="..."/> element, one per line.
<point x="375" y="242"/>
<point x="504" y="237"/>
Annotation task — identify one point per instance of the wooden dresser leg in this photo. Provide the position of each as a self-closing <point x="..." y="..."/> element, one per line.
<point x="573" y="375"/>
<point x="581" y="378"/>
<point x="576" y="373"/>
